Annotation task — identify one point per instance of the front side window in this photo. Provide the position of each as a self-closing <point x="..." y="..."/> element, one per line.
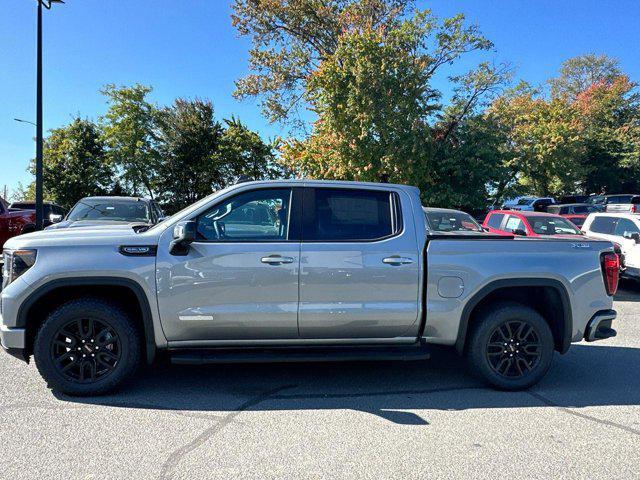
<point x="495" y="220"/>
<point x="255" y="216"/>
<point x="514" y="223"/>
<point x="335" y="214"/>
<point x="553" y="226"/>
<point x="625" y="226"/>
<point x="603" y="225"/>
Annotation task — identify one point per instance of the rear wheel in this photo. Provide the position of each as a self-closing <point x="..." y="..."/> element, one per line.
<point x="87" y="347"/>
<point x="511" y="346"/>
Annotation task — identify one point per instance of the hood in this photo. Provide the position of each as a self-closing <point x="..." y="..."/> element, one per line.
<point x="92" y="223"/>
<point x="84" y="236"/>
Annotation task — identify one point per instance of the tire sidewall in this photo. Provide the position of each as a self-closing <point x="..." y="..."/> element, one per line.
<point x="99" y="310"/>
<point x="488" y="322"/>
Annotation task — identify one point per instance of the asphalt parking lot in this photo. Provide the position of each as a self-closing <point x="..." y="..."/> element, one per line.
<point x="365" y="420"/>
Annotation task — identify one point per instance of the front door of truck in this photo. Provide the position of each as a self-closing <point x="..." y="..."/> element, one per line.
<point x="239" y="280"/>
<point x="360" y="265"/>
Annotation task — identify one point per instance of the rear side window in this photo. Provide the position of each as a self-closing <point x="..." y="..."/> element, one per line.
<point x="514" y="223"/>
<point x="625" y="226"/>
<point x="495" y="220"/>
<point x="334" y="214"/>
<point x="604" y="225"/>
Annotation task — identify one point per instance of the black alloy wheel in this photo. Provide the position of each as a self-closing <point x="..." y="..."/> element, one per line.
<point x="514" y="348"/>
<point x="85" y="350"/>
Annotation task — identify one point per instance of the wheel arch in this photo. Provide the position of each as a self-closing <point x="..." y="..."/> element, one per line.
<point x="555" y="307"/>
<point x="30" y="313"/>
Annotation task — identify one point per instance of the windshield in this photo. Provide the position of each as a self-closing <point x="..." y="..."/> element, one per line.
<point x="452" y="222"/>
<point x="525" y="201"/>
<point x="582" y="209"/>
<point x="552" y="226"/>
<point x="110" y="210"/>
<point x="595" y="199"/>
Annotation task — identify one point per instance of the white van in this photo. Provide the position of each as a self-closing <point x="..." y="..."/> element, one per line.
<point x="620" y="228"/>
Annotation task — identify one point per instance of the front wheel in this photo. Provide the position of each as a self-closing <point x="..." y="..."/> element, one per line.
<point x="511" y="346"/>
<point x="87" y="346"/>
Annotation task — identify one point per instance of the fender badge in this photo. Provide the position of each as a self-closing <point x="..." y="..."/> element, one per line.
<point x="580" y="245"/>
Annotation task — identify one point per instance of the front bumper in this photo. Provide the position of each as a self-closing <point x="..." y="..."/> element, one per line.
<point x="599" y="327"/>
<point x="13" y="341"/>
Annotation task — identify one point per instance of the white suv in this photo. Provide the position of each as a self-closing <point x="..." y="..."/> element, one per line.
<point x="620" y="228"/>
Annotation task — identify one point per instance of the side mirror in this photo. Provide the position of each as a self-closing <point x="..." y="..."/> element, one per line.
<point x="485" y="229"/>
<point x="519" y="231"/>
<point x="184" y="234"/>
<point x="635" y="236"/>
<point x="55" y="218"/>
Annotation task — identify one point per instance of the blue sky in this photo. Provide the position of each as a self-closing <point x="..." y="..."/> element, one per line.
<point x="188" y="48"/>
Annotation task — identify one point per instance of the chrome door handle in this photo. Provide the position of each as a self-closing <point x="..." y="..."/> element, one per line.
<point x="276" y="259"/>
<point x="397" y="260"/>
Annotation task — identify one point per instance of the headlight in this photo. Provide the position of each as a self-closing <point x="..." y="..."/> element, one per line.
<point x="16" y="262"/>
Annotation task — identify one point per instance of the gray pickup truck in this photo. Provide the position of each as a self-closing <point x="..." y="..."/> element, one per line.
<point x="298" y="271"/>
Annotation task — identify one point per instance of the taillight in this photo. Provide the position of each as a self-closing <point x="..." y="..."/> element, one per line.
<point x="634" y="208"/>
<point x="610" y="271"/>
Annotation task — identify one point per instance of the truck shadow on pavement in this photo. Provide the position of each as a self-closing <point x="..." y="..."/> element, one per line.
<point x="628" y="291"/>
<point x="589" y="375"/>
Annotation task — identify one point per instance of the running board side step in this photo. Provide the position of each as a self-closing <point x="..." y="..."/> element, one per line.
<point x="297" y="355"/>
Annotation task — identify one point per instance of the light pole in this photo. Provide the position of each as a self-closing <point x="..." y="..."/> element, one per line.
<point x="39" y="209"/>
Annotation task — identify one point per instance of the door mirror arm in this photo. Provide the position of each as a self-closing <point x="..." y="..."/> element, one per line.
<point x="184" y="234"/>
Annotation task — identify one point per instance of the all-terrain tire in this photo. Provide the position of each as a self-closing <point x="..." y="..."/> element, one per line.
<point x="498" y="351"/>
<point x="76" y="361"/>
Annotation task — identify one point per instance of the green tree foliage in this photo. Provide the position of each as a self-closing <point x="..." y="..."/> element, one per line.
<point x="292" y="38"/>
<point x="188" y="137"/>
<point x="584" y="137"/>
<point x="244" y="153"/>
<point x="578" y="74"/>
<point x="128" y="132"/>
<point x="379" y="117"/>
<point x="74" y="165"/>
<point x="199" y="155"/>
<point x="543" y="139"/>
<point x="609" y="111"/>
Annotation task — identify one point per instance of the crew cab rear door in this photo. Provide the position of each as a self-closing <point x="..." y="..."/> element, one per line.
<point x="359" y="264"/>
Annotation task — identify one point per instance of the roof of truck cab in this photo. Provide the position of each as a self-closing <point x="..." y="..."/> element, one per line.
<point x="524" y="213"/>
<point x="306" y="181"/>
<point x="117" y="198"/>
<point x="634" y="216"/>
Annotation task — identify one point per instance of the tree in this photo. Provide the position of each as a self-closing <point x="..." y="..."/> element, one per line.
<point x="376" y="106"/>
<point x="578" y="74"/>
<point x="75" y="165"/>
<point x="610" y="116"/>
<point x="292" y="39"/>
<point x="188" y="139"/>
<point x="199" y="155"/>
<point x="543" y="140"/>
<point x="128" y="133"/>
<point x="244" y="153"/>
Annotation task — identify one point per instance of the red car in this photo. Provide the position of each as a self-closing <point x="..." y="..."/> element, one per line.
<point x="530" y="224"/>
<point x="20" y="217"/>
<point x="576" y="212"/>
